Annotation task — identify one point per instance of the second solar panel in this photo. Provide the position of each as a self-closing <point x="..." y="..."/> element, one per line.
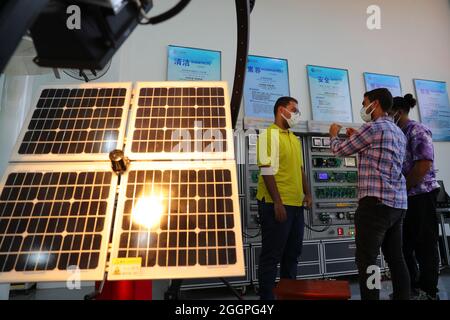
<point x="180" y="120"/>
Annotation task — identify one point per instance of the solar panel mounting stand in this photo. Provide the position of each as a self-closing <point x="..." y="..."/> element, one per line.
<point x="173" y="293"/>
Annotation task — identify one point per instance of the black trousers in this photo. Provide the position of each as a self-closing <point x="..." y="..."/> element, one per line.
<point x="281" y="243"/>
<point x="420" y="241"/>
<point x="377" y="225"/>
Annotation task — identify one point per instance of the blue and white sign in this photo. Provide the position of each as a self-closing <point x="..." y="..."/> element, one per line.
<point x="329" y="90"/>
<point x="191" y="64"/>
<point x="376" y="80"/>
<point x="266" y="80"/>
<point x="434" y="107"/>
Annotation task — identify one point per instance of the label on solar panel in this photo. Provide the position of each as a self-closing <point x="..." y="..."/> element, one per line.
<point x="55" y="221"/>
<point x="180" y="120"/>
<point x="181" y="218"/>
<point x="126" y="266"/>
<point x="68" y="123"/>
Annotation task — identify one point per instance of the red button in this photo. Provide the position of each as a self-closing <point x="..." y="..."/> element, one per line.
<point x="340" y="231"/>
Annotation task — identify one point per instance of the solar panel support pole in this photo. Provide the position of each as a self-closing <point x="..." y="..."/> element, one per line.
<point x="173" y="293"/>
<point x="243" y="32"/>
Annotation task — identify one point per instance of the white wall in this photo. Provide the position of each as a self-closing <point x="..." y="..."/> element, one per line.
<point x="414" y="42"/>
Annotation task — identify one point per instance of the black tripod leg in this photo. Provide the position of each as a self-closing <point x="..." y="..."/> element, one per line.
<point x="173" y="293"/>
<point x="231" y="288"/>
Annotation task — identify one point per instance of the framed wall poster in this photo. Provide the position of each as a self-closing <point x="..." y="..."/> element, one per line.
<point x="434" y="107"/>
<point x="193" y="64"/>
<point x="267" y="79"/>
<point x="329" y="90"/>
<point x="378" y="80"/>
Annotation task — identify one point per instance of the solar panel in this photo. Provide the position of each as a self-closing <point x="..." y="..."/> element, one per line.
<point x="53" y="218"/>
<point x="177" y="219"/>
<point x="75" y="123"/>
<point x="180" y="120"/>
<point x="55" y="215"/>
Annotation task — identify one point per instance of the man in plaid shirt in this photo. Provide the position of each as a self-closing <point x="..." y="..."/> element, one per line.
<point x="382" y="195"/>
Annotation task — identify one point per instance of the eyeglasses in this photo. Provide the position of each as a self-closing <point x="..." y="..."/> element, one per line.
<point x="295" y="111"/>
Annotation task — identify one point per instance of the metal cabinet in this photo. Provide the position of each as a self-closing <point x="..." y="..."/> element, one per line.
<point x="339" y="257"/>
<point x="309" y="264"/>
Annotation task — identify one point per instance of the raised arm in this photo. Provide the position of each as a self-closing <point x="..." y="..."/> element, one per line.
<point x="358" y="141"/>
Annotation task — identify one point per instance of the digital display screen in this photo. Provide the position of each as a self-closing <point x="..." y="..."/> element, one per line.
<point x="317" y="142"/>
<point x="326" y="142"/>
<point x="322" y="176"/>
<point x="350" y="162"/>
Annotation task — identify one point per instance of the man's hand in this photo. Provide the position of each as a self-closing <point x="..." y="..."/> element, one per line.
<point x="280" y="212"/>
<point x="307" y="201"/>
<point x="334" y="130"/>
<point x="350" y="131"/>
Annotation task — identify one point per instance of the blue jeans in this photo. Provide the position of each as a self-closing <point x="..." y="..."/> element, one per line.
<point x="281" y="243"/>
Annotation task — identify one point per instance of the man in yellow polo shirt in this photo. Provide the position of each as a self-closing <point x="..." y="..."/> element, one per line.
<point x="282" y="192"/>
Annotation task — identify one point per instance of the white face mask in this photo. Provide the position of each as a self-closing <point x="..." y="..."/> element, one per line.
<point x="398" y="119"/>
<point x="293" y="120"/>
<point x="367" y="117"/>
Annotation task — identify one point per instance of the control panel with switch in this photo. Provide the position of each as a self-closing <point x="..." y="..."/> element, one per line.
<point x="333" y="182"/>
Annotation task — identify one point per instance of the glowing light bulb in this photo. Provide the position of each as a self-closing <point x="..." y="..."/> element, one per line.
<point x="148" y="211"/>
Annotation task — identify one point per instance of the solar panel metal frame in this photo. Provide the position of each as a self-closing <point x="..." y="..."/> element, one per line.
<point x="228" y="154"/>
<point x="16" y="157"/>
<point x="180" y="272"/>
<point x="59" y="275"/>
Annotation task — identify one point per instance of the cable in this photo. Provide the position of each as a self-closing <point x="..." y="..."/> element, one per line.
<point x="252" y="5"/>
<point x="142" y="13"/>
<point x="252" y="236"/>
<point x="306" y="225"/>
<point x="322" y="230"/>
<point x="162" y="17"/>
<point x="259" y="230"/>
<point x="316" y="230"/>
<point x="100" y="73"/>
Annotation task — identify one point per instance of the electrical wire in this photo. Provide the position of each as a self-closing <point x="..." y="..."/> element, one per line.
<point x="247" y="236"/>
<point x="327" y="227"/>
<point x="145" y="19"/>
<point x="321" y="230"/>
<point x="255" y="235"/>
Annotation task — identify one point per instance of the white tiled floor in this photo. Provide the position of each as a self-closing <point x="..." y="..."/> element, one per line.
<point x="216" y="293"/>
